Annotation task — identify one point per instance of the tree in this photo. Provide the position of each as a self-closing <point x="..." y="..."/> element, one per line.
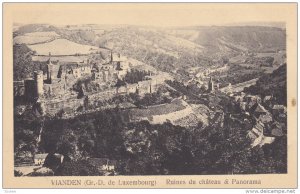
<point x="77" y="168"/>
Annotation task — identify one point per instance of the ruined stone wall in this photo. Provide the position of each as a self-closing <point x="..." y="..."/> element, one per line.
<point x="19" y="88"/>
<point x="145" y="87"/>
<point x="70" y="80"/>
<point x="69" y="104"/>
<point x="131" y="88"/>
<point x="101" y="96"/>
<point x="54" y="90"/>
<point x="95" y="99"/>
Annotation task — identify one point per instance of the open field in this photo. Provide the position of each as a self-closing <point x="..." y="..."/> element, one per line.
<point x="36" y="38"/>
<point x="62" y="47"/>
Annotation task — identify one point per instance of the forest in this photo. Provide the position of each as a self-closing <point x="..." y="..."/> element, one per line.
<point x="145" y="149"/>
<point x="273" y="84"/>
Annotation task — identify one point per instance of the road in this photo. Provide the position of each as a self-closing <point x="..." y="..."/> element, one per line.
<point x="239" y="87"/>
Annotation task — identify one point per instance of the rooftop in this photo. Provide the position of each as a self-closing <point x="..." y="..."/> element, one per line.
<point x="40" y="156"/>
<point x="277" y="106"/>
<point x="260" y="109"/>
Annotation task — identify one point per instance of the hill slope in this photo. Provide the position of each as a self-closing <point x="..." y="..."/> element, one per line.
<point x="272" y="84"/>
<point x="171" y="49"/>
<point x="234" y="38"/>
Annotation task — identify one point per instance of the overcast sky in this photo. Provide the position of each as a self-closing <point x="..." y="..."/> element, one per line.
<point x="176" y="14"/>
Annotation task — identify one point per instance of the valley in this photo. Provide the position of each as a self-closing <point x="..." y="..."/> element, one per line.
<point x="136" y="100"/>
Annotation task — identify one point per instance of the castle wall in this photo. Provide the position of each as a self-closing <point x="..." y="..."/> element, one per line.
<point x="19" y="88"/>
<point x="70" y="104"/>
<point x="97" y="98"/>
<point x="145" y="87"/>
<point x="62" y="80"/>
<point x="131" y="88"/>
<point x="57" y="89"/>
<point x="70" y="80"/>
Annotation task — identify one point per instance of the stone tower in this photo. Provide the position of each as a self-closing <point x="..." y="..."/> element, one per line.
<point x="210" y="85"/>
<point x="49" y="70"/>
<point x="39" y="83"/>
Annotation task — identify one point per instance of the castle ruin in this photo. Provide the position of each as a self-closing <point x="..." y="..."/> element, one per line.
<point x="55" y="86"/>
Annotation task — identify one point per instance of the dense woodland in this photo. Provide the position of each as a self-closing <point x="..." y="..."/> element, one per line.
<point x="154" y="149"/>
<point x="23" y="66"/>
<point x="273" y="84"/>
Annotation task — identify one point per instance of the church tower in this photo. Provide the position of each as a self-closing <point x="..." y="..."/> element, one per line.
<point x="211" y="85"/>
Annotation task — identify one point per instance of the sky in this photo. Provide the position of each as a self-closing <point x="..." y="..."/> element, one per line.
<point x="149" y="14"/>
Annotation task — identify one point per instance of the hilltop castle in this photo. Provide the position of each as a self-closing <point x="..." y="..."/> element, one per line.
<point x="59" y="86"/>
<point x="59" y="77"/>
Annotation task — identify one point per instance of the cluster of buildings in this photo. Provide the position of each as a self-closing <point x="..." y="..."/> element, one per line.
<point x="53" y="86"/>
<point x="200" y="72"/>
<point x="59" y="78"/>
<point x="54" y="161"/>
<point x="199" y="75"/>
<point x="270" y="118"/>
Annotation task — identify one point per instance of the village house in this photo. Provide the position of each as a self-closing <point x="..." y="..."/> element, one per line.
<point x="24" y="158"/>
<point x="252" y="98"/>
<point x="39" y="159"/>
<point x="242" y="105"/>
<point x="278" y="109"/>
<point x="256" y="134"/>
<point x="259" y="110"/>
<point x="257" y="137"/>
<point x="103" y="164"/>
<point x="267" y="99"/>
<point x="275" y="130"/>
<point x="280" y="113"/>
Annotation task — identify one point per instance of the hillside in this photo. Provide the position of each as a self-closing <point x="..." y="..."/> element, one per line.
<point x="36" y="37"/>
<point x="272" y="84"/>
<point x="23" y="66"/>
<point x="150" y="39"/>
<point x="171" y="41"/>
<point x="29" y="28"/>
<point x="174" y="50"/>
<point x="234" y="38"/>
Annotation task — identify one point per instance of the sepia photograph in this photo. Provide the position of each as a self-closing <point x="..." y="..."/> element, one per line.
<point x="112" y="94"/>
